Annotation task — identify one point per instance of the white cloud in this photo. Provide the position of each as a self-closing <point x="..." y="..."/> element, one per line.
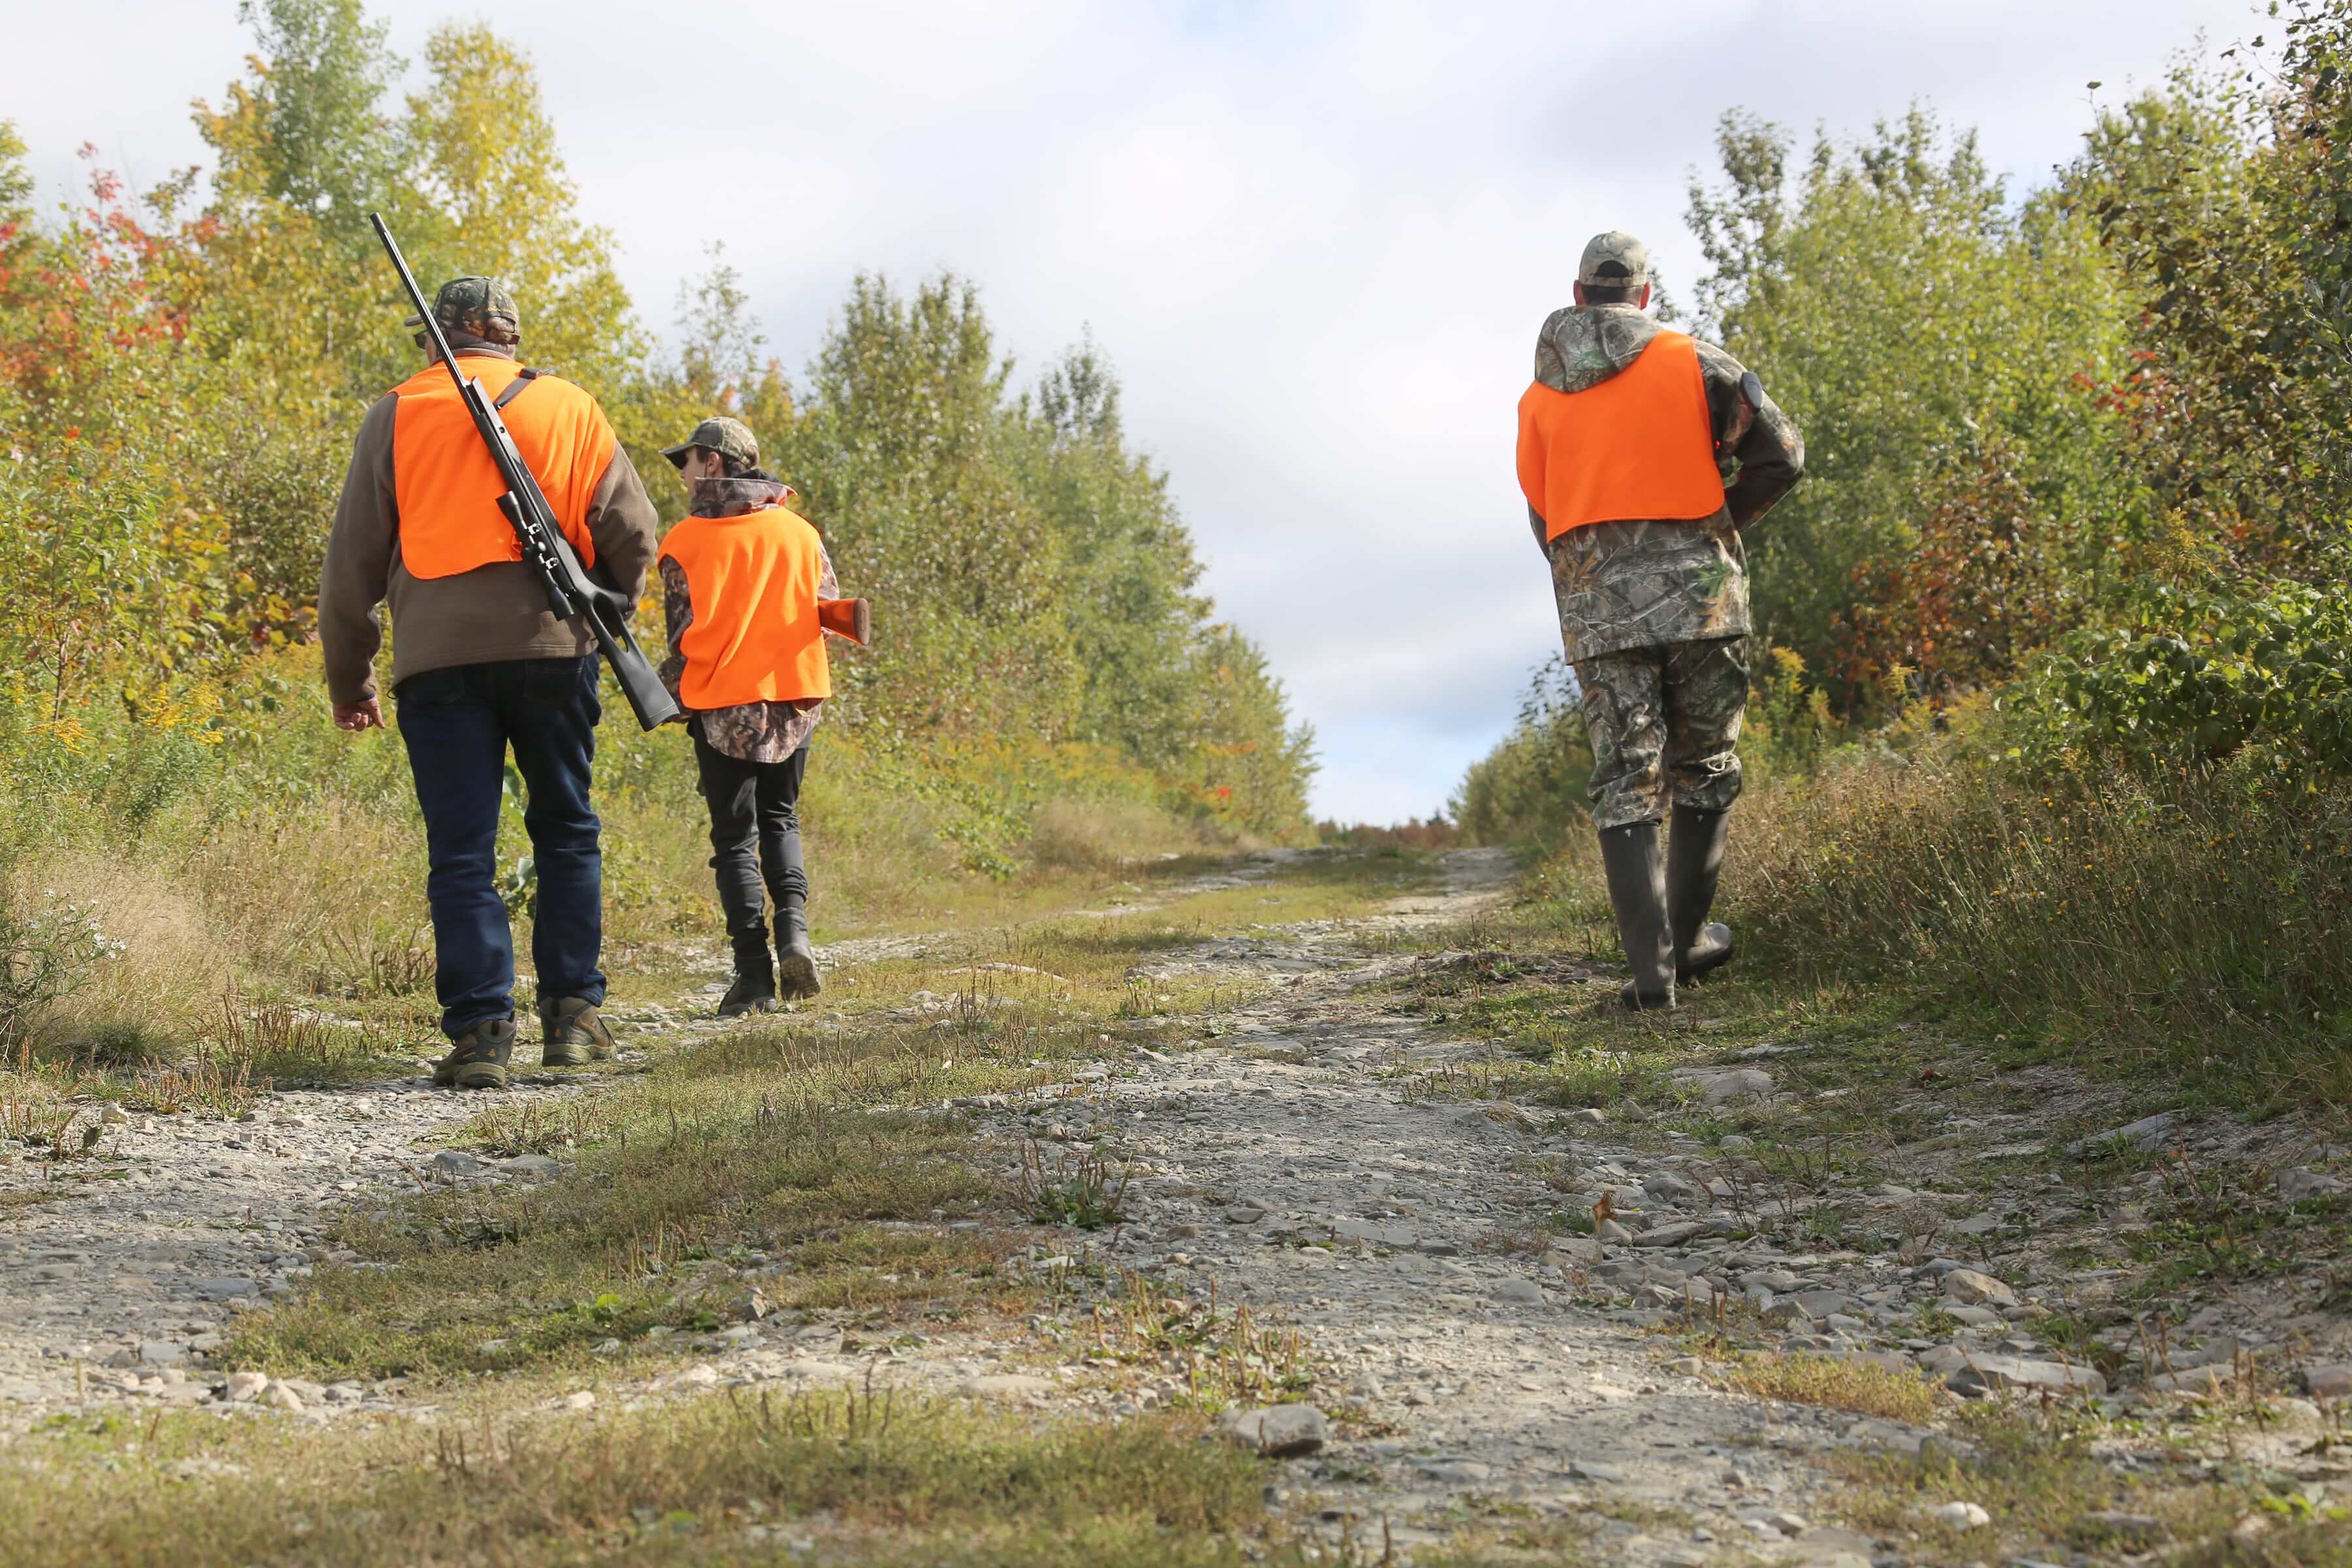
<point x="1316" y="239"/>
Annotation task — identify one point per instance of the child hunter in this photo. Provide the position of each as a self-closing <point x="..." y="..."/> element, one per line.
<point x="749" y="593"/>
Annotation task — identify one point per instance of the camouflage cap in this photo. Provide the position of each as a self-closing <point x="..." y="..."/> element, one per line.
<point x="477" y="305"/>
<point x="731" y="438"/>
<point x="1614" y="260"/>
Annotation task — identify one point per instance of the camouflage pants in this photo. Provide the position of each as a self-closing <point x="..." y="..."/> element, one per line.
<point x="1663" y="715"/>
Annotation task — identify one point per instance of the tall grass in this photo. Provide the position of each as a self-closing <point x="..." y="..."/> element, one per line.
<point x="2193" y="925"/>
<point x="243" y="846"/>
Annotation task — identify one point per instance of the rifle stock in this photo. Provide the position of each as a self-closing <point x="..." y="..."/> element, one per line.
<point x="570" y="590"/>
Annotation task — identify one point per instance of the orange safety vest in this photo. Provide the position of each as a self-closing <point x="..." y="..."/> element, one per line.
<point x="1640" y="445"/>
<point x="447" y="488"/>
<point x="753" y="580"/>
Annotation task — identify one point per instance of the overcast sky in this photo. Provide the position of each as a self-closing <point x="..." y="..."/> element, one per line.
<point x="1316" y="238"/>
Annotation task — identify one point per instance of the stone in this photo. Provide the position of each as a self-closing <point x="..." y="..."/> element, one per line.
<point x="1458" y="1472"/>
<point x="1740" y="1083"/>
<point x="244" y="1387"/>
<point x="1961" y="1515"/>
<point x="2304" y="1183"/>
<point x="1975" y="1289"/>
<point x="1669" y="1188"/>
<point x="2147" y="1133"/>
<point x="1993" y="1373"/>
<point x="1008" y="1385"/>
<point x="283" y="1397"/>
<point x="533" y="1166"/>
<point x="1822" y="1303"/>
<point x="1673" y="1234"/>
<point x="162" y="1352"/>
<point x="1519" y="1293"/>
<point x="1391" y="1235"/>
<point x="1591" y="1116"/>
<point x="1974" y="1317"/>
<point x="2332" y="1382"/>
<point x="225" y="1290"/>
<point x="1594" y="1470"/>
<point x="1278" y="1431"/>
<point x="583" y="1400"/>
<point x="2202" y="1382"/>
<point x="1243" y="1213"/>
<point x="2135" y="1529"/>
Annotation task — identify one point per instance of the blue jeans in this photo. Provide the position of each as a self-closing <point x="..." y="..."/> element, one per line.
<point x="458" y="723"/>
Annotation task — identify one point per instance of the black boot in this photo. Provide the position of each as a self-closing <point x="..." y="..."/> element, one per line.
<point x="1694" y="863"/>
<point x="795" y="960"/>
<point x="1637" y="890"/>
<point x="754" y="990"/>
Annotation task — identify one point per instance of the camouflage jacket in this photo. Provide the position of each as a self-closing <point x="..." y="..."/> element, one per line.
<point x="1631" y="585"/>
<point x="754" y="731"/>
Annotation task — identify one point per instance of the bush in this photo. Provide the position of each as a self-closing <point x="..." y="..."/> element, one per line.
<point x="47" y="951"/>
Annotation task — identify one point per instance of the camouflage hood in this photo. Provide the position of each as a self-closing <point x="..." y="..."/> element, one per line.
<point x="1581" y="346"/>
<point x="738" y="494"/>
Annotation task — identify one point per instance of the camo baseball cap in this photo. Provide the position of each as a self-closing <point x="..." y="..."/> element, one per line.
<point x="731" y="438"/>
<point x="477" y="305"/>
<point x="1614" y="260"/>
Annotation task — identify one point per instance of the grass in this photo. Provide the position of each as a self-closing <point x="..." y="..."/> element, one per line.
<point x="1861" y="1387"/>
<point x="1214" y="1356"/>
<point x="880" y="1477"/>
<point x="2041" y="1479"/>
<point x="812" y="1155"/>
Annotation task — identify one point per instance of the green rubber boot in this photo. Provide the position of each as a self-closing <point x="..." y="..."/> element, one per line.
<point x="1693" y="864"/>
<point x="1637" y="870"/>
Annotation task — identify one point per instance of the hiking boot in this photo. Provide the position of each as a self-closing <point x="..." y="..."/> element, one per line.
<point x="478" y="1057"/>
<point x="570" y="1034"/>
<point x="795" y="960"/>
<point x="1637" y="870"/>
<point x="754" y="990"/>
<point x="1694" y="863"/>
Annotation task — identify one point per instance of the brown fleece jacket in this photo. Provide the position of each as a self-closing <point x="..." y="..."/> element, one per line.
<point x="491" y="613"/>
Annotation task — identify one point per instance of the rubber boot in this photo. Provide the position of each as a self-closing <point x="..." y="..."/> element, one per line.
<point x="1637" y="890"/>
<point x="1694" y="863"/>
<point x="754" y="990"/>
<point x="795" y="960"/>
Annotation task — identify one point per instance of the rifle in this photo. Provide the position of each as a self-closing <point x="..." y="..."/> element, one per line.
<point x="570" y="590"/>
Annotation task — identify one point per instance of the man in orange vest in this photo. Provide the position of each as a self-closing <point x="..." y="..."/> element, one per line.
<point x="479" y="665"/>
<point x="749" y="593"/>
<point x="1643" y="455"/>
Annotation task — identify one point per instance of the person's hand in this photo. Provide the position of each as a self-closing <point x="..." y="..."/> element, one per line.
<point x="366" y="715"/>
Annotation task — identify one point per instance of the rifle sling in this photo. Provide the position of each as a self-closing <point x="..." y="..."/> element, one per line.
<point x="516" y="388"/>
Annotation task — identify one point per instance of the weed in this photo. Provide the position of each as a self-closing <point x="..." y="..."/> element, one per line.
<point x="1219" y="1358"/>
<point x="1080" y="1191"/>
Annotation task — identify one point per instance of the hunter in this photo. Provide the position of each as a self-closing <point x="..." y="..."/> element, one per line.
<point x="479" y="665"/>
<point x="1644" y="454"/>
<point x="749" y="594"/>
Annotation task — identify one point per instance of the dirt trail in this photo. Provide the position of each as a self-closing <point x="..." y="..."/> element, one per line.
<point x="1300" y="1156"/>
<point x="1296" y="1166"/>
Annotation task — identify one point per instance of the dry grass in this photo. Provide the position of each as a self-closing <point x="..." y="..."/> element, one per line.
<point x="877" y="1478"/>
<point x="1108" y="835"/>
<point x="1861" y="1387"/>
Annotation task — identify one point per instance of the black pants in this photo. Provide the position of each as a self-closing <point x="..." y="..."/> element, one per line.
<point x="755" y="835"/>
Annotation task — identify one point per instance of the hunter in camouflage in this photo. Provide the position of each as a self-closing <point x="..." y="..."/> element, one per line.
<point x="1653" y="618"/>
